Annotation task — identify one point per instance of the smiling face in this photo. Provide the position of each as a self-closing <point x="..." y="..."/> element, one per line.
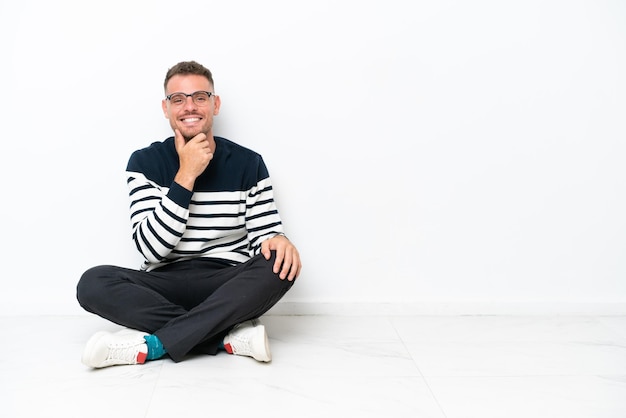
<point x="190" y="118"/>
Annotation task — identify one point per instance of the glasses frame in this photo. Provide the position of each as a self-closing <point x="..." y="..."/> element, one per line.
<point x="209" y="93"/>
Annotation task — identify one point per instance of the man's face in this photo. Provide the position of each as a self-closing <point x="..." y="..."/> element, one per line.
<point x="190" y="118"/>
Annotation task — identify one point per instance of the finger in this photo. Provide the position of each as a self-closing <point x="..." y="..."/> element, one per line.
<point x="296" y="266"/>
<point x="200" y="138"/>
<point x="179" y="141"/>
<point x="279" y="261"/>
<point x="287" y="266"/>
<point x="265" y="250"/>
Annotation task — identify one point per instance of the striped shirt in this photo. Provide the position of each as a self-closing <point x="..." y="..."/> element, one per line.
<point x="229" y="213"/>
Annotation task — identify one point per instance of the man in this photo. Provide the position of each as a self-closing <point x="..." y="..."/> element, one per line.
<point x="216" y="257"/>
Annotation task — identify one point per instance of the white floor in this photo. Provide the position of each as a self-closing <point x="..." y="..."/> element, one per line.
<point x="324" y="366"/>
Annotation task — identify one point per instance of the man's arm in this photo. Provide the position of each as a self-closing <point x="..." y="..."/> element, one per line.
<point x="265" y="229"/>
<point x="158" y="216"/>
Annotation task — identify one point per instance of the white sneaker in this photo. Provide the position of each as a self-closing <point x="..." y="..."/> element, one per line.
<point x="249" y="339"/>
<point x="110" y="349"/>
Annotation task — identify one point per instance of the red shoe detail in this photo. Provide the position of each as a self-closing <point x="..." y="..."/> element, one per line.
<point x="141" y="357"/>
<point x="228" y="348"/>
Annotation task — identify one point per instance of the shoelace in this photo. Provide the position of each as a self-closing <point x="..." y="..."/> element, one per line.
<point x="126" y="354"/>
<point x="241" y="344"/>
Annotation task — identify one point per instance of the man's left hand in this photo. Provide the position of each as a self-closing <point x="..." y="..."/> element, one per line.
<point x="287" y="264"/>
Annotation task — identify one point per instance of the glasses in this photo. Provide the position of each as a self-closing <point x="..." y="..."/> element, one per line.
<point x="200" y="98"/>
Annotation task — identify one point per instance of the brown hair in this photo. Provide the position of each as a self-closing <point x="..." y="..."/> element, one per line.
<point x="188" y="67"/>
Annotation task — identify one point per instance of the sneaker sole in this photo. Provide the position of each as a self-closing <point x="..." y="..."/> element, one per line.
<point x="267" y="357"/>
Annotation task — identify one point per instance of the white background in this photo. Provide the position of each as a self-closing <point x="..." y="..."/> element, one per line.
<point x="461" y="156"/>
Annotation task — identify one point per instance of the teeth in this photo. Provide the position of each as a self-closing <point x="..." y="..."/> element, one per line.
<point x="191" y="120"/>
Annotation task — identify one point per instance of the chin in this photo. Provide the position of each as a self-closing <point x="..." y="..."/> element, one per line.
<point x="188" y="134"/>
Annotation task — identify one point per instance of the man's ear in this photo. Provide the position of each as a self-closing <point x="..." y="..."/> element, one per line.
<point x="218" y="103"/>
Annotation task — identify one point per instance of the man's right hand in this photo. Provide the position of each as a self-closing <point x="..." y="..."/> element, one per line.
<point x="194" y="156"/>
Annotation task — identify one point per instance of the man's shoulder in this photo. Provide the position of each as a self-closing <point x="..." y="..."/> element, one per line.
<point x="233" y="147"/>
<point x="160" y="153"/>
<point x="164" y="146"/>
<point x="238" y="167"/>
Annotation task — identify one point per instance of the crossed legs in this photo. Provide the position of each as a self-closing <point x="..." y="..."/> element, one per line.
<point x="189" y="305"/>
